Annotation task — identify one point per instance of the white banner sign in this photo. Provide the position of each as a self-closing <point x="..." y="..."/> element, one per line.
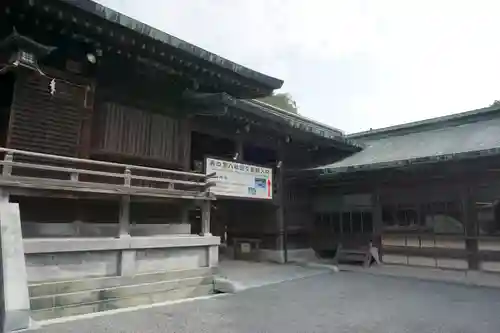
<point x="240" y="180"/>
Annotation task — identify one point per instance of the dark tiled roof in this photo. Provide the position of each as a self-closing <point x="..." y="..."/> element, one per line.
<point x="296" y="120"/>
<point x="466" y="140"/>
<point x="148" y="31"/>
<point x="272" y="113"/>
<point x="427" y="124"/>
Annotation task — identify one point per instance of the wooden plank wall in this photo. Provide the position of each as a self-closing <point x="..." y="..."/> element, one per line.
<point x="48" y="123"/>
<point x="130" y="132"/>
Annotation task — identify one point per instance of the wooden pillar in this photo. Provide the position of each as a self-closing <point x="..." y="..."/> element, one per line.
<point x="281" y="242"/>
<point x="124" y="219"/>
<point x="206" y="207"/>
<point x="377" y="218"/>
<point x="186" y="163"/>
<point x="6" y="171"/>
<point x="124" y="216"/>
<point x="469" y="213"/>
<point x="126" y="265"/>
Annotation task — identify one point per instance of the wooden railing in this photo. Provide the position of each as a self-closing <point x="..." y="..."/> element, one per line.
<point x="24" y="171"/>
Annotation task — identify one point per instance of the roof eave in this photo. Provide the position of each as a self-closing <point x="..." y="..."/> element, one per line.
<point x="418" y="125"/>
<point x="334" y="171"/>
<point x="265" y="111"/>
<point x="89" y="6"/>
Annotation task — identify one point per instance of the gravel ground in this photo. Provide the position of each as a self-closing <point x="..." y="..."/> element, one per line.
<point x="343" y="302"/>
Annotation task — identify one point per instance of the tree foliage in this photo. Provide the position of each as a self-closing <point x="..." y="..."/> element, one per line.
<point x="281" y="100"/>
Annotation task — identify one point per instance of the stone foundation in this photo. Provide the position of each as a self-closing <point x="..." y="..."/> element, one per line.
<point x="78" y="258"/>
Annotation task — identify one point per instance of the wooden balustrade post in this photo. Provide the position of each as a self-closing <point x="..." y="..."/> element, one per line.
<point x="6" y="171"/>
<point x="124" y="228"/>
<point x="126" y="265"/>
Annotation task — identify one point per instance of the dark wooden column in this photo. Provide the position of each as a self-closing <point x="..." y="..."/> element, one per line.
<point x="185" y="158"/>
<point x="469" y="212"/>
<point x="184" y="146"/>
<point x="377" y="218"/>
<point x="281" y="242"/>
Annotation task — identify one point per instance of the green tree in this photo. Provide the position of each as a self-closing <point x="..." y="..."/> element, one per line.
<point x="281" y="100"/>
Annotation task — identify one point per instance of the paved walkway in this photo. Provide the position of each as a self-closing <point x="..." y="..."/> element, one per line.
<point x="345" y="302"/>
<point x="256" y="274"/>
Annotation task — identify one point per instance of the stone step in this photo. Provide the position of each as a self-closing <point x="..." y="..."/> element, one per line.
<point x="71" y="286"/>
<point x="117" y="303"/>
<point x="91" y="296"/>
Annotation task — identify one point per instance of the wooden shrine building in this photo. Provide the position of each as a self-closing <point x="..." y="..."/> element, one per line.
<point x="106" y="129"/>
<point x="106" y="124"/>
<point x="426" y="193"/>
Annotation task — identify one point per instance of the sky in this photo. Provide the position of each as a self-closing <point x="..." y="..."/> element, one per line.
<point x="355" y="64"/>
